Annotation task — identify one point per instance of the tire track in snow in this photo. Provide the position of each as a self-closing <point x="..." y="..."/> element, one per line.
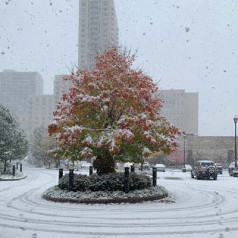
<point x="145" y="217"/>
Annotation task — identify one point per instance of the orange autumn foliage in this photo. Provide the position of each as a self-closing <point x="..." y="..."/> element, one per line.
<point x="111" y="110"/>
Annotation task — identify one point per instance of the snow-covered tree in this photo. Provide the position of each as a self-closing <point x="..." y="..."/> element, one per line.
<point x="40" y="145"/>
<point x="13" y="143"/>
<point x="177" y="157"/>
<point x="110" y="113"/>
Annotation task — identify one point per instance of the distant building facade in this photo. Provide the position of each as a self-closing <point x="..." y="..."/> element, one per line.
<point x="16" y="89"/>
<point x="60" y="86"/>
<point x="40" y="113"/>
<point x="22" y="94"/>
<point x="181" y="109"/>
<point x="98" y="30"/>
<point x="217" y="148"/>
<point x="220" y="149"/>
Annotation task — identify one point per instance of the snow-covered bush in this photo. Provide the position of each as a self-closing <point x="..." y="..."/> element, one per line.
<point x="8" y="167"/>
<point x="139" y="181"/>
<point x="40" y="145"/>
<point x="108" y="182"/>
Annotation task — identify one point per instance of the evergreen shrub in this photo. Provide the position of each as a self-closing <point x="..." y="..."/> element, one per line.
<point x="107" y="182"/>
<point x="8" y="168"/>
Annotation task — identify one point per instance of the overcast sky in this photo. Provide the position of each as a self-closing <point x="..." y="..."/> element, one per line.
<point x="183" y="44"/>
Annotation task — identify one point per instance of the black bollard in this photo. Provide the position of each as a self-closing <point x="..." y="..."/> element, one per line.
<point x="60" y="173"/>
<point x="71" y="179"/>
<point x="13" y="170"/>
<point x="132" y="168"/>
<point x="20" y="167"/>
<point x="90" y="170"/>
<point x="126" y="185"/>
<point x="5" y="166"/>
<point x="154" y="176"/>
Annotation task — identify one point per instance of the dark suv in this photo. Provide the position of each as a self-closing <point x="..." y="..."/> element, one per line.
<point x="204" y="169"/>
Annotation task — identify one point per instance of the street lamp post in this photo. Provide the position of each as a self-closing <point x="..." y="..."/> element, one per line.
<point x="235" y="171"/>
<point x="184" y="154"/>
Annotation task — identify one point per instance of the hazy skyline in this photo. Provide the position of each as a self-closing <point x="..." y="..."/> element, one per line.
<point x="186" y="44"/>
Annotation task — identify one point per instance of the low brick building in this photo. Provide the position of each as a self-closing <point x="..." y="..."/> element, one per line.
<point x="216" y="148"/>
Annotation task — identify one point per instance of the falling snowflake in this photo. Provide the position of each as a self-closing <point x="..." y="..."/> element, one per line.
<point x="187" y="29"/>
<point x="7" y="2"/>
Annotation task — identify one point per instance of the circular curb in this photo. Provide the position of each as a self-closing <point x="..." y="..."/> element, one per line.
<point x="13" y="179"/>
<point x="106" y="201"/>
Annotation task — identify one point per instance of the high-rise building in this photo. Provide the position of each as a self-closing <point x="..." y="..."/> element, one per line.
<point x="16" y="89"/>
<point x="60" y="86"/>
<point x="40" y="113"/>
<point x="181" y="109"/>
<point x="98" y="30"/>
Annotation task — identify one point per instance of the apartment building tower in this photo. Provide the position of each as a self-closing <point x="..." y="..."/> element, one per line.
<point x="98" y="30"/>
<point x="16" y="89"/>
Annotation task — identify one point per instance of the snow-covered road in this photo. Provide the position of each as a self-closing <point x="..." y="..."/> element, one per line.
<point x="202" y="209"/>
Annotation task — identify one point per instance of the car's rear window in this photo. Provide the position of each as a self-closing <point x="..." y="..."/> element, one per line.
<point x="205" y="164"/>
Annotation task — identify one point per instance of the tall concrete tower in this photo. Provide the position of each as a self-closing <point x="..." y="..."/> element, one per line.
<point x="98" y="30"/>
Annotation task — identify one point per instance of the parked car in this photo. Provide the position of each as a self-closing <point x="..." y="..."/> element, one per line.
<point x="219" y="168"/>
<point x="204" y="169"/>
<point x="67" y="163"/>
<point x="85" y="164"/>
<point x="146" y="166"/>
<point x="128" y="164"/>
<point x="188" y="167"/>
<point x="231" y="168"/>
<point x="160" y="167"/>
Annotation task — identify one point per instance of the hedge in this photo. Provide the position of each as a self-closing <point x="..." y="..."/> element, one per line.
<point x="108" y="182"/>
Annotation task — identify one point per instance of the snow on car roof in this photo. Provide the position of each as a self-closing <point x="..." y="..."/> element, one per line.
<point x="204" y="161"/>
<point x="159" y="165"/>
<point x="232" y="164"/>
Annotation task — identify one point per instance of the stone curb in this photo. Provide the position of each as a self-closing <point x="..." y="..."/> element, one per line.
<point x="106" y="201"/>
<point x="15" y="179"/>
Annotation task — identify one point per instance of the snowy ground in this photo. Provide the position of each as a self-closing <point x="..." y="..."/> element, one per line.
<point x="17" y="176"/>
<point x="202" y="209"/>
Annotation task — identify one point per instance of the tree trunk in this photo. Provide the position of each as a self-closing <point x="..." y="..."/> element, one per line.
<point x="104" y="164"/>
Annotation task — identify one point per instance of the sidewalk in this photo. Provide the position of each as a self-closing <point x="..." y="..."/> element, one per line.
<point x="9" y="177"/>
